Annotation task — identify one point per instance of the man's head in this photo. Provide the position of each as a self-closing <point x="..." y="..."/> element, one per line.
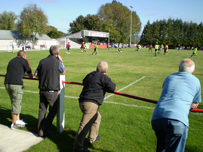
<point x="22" y="54"/>
<point x="102" y="67"/>
<point x="54" y="50"/>
<point x="187" y="65"/>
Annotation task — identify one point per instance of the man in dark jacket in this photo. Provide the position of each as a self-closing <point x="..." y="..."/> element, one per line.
<point x="96" y="84"/>
<point x="48" y="71"/>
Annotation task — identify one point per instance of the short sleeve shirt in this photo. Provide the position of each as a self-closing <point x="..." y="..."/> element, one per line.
<point x="180" y="90"/>
<point x="16" y="69"/>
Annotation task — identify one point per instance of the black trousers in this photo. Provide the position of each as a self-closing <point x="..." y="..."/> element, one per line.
<point x="47" y="98"/>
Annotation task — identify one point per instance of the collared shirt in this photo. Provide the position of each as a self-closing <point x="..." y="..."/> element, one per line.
<point x="180" y="90"/>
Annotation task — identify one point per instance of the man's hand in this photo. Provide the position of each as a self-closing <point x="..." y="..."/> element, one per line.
<point x="194" y="105"/>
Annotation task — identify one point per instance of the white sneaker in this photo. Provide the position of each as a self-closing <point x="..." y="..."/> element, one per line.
<point x="13" y="126"/>
<point x="20" y="123"/>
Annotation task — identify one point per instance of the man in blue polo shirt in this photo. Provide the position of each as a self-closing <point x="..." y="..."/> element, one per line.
<point x="181" y="91"/>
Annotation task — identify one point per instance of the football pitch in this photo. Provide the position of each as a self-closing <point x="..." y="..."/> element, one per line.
<point x="126" y="122"/>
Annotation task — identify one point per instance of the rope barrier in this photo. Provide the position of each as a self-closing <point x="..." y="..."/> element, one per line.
<point x="131" y="96"/>
<point x="115" y="92"/>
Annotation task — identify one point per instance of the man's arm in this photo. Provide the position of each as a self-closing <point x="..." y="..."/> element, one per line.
<point x="61" y="65"/>
<point x="30" y="75"/>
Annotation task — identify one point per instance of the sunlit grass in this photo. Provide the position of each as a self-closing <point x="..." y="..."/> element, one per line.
<point x="126" y="122"/>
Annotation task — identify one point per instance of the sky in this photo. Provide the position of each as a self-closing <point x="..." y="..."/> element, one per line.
<point x="61" y="13"/>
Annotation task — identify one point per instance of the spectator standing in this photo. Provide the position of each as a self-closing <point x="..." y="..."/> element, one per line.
<point x="181" y="91"/>
<point x="96" y="84"/>
<point x="14" y="85"/>
<point x="13" y="47"/>
<point x="48" y="71"/>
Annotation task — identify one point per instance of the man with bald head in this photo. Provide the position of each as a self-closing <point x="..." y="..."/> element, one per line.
<point x="96" y="84"/>
<point x="181" y="91"/>
<point x="14" y="85"/>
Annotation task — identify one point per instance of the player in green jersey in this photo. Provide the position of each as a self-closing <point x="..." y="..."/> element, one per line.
<point x="95" y="49"/>
<point x="194" y="52"/>
<point x="120" y="47"/>
<point x="84" y="47"/>
<point x="156" y="48"/>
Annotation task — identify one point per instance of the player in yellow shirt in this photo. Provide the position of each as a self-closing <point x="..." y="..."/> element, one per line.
<point x="95" y="49"/>
<point x="156" y="48"/>
<point x="194" y="52"/>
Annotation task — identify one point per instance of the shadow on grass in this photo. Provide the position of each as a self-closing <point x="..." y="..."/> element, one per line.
<point x="6" y="119"/>
<point x="64" y="140"/>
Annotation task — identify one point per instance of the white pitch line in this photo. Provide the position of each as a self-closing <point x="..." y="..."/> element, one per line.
<point x="125" y="87"/>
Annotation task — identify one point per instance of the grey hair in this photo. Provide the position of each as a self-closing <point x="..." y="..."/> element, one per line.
<point x="187" y="65"/>
<point x="102" y="67"/>
<point x="54" y="49"/>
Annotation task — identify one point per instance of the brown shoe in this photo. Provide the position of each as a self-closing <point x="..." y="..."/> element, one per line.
<point x="40" y="133"/>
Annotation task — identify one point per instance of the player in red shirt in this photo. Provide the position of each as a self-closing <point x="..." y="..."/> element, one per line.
<point x="68" y="48"/>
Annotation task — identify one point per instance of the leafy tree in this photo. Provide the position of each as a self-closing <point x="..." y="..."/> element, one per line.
<point x="7" y="20"/>
<point x="163" y="32"/>
<point x="93" y="22"/>
<point x="200" y="35"/>
<point x="146" y="37"/>
<point x="115" y="35"/>
<point x="173" y="32"/>
<point x="53" y="33"/>
<point x="156" y="32"/>
<point x="77" y="25"/>
<point x="32" y="21"/>
<point x="119" y="17"/>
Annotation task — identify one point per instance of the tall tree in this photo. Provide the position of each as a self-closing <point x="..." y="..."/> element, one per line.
<point x="146" y="37"/>
<point x="52" y="32"/>
<point x="119" y="17"/>
<point x="77" y="25"/>
<point x="7" y="20"/>
<point x="200" y="35"/>
<point x="32" y="21"/>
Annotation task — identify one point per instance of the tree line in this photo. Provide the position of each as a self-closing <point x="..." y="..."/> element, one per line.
<point x="173" y="32"/>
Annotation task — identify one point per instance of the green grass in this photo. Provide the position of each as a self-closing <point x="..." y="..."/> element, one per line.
<point x="126" y="122"/>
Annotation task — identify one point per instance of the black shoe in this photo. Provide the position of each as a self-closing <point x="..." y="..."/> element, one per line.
<point x="97" y="139"/>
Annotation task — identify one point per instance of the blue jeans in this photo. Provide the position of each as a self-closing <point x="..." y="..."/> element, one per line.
<point x="171" y="135"/>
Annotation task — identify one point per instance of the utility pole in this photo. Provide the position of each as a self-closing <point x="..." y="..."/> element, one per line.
<point x="130" y="25"/>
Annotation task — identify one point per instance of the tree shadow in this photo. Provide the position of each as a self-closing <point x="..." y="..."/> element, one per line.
<point x="6" y="119"/>
<point x="64" y="140"/>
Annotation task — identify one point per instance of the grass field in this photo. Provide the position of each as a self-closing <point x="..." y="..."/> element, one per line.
<point x="126" y="122"/>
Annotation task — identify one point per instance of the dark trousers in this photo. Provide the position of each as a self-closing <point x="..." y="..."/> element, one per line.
<point x="47" y="98"/>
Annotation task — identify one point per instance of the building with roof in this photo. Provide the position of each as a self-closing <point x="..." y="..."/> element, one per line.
<point x="90" y="37"/>
<point x="7" y="37"/>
